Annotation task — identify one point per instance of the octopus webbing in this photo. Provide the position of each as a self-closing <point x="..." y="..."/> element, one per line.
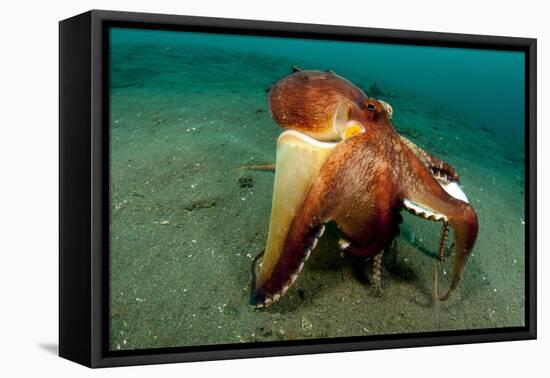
<point x="341" y="160"/>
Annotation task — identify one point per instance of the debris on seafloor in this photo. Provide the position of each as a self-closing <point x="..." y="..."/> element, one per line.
<point x="202" y="203"/>
<point x="306" y="324"/>
<point x="246" y="182"/>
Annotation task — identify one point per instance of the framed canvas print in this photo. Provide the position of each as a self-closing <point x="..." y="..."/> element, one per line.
<point x="234" y="188"/>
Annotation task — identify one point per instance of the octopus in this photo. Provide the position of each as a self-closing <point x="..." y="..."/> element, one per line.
<point x="341" y="160"/>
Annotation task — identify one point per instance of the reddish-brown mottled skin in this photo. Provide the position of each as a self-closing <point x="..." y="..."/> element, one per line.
<point x="313" y="104"/>
<point x="362" y="185"/>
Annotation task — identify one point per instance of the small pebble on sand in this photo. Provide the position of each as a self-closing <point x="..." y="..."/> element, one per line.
<point x="306" y="324"/>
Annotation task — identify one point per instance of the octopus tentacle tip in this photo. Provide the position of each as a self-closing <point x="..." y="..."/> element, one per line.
<point x="259" y="300"/>
<point x="438" y="295"/>
<point x="256" y="299"/>
<point x="255" y="167"/>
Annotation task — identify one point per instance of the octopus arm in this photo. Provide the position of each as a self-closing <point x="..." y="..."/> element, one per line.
<point x="425" y="197"/>
<point x="299" y="160"/>
<point x="442" y="171"/>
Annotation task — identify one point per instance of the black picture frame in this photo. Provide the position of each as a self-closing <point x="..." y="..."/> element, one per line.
<point x="84" y="192"/>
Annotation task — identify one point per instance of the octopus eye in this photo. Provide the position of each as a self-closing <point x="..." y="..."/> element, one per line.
<point x="371" y="107"/>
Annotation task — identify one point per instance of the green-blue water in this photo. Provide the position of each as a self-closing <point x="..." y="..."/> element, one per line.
<point x="188" y="109"/>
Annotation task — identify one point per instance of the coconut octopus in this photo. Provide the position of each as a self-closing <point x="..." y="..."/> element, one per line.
<point x="341" y="160"/>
